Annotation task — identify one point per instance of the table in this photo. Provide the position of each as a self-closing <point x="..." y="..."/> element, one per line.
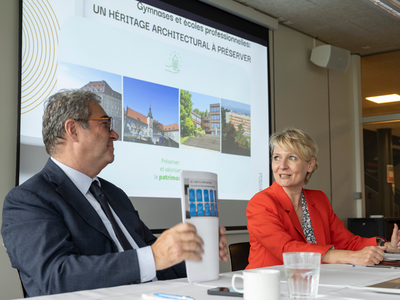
<point x="336" y="282"/>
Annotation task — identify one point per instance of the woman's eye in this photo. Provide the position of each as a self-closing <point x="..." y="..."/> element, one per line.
<point x="276" y="157"/>
<point x="293" y="158"/>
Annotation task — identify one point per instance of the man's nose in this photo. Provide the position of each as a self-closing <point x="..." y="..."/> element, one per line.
<point x="114" y="135"/>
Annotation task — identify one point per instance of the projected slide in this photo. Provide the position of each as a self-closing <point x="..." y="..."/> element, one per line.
<point x="183" y="95"/>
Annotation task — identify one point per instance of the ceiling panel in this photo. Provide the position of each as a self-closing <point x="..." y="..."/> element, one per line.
<point x="348" y="24"/>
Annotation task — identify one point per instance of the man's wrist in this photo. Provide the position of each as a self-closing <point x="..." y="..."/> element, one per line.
<point x="146" y="264"/>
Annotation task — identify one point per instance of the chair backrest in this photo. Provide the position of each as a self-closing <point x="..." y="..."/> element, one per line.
<point x="239" y="254"/>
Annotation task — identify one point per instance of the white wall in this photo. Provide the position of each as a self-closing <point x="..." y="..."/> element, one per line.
<point x="323" y="103"/>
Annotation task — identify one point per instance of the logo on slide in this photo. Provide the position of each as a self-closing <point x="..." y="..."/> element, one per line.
<point x="175" y="61"/>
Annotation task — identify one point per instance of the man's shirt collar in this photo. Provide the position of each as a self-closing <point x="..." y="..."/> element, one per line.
<point x="81" y="181"/>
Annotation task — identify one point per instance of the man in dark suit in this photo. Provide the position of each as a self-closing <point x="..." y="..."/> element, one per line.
<point x="59" y="236"/>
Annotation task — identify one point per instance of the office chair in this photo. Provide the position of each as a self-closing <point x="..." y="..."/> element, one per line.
<point x="239" y="254"/>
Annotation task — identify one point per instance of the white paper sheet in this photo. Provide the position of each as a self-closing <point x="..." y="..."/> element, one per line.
<point x="391" y="256"/>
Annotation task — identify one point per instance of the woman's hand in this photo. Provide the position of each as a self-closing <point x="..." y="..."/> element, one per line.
<point x="368" y="256"/>
<point x="394" y="244"/>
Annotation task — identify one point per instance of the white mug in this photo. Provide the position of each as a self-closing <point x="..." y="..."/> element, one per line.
<point x="259" y="284"/>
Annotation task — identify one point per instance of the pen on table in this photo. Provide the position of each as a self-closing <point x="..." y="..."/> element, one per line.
<point x="166" y="296"/>
<point x="360" y="266"/>
<point x="377" y="266"/>
<point x="383" y="266"/>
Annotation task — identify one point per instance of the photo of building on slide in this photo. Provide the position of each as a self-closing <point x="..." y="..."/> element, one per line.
<point x="150" y="113"/>
<point x="111" y="101"/>
<point x="106" y="85"/>
<point x="236" y="121"/>
<point x="200" y="121"/>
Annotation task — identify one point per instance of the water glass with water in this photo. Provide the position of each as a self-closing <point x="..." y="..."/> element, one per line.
<point x="302" y="273"/>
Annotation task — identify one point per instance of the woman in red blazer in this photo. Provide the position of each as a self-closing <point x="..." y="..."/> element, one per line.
<point x="287" y="218"/>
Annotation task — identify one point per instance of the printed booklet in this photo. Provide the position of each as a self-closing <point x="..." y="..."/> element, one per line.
<point x="200" y="207"/>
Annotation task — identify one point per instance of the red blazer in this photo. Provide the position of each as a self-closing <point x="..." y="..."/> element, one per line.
<point x="274" y="227"/>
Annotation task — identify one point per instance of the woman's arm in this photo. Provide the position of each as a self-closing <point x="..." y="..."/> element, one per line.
<point x="368" y="256"/>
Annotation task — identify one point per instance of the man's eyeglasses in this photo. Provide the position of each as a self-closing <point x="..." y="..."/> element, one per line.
<point x="109" y="119"/>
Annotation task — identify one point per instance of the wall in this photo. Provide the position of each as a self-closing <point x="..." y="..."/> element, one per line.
<point x="347" y="162"/>
<point x="324" y="103"/>
<point x="9" y="285"/>
<point x="301" y="97"/>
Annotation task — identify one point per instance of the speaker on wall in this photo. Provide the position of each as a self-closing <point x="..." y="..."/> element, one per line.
<point x="331" y="57"/>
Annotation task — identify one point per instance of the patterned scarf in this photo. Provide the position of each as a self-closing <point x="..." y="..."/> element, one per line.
<point x="307" y="226"/>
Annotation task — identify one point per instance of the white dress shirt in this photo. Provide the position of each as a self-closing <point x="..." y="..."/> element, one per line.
<point x="145" y="254"/>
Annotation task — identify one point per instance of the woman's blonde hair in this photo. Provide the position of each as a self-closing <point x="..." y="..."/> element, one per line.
<point x="296" y="140"/>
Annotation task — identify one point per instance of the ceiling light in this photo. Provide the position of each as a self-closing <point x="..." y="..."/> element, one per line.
<point x="384" y="98"/>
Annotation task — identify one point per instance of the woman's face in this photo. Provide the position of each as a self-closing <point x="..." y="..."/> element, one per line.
<point x="289" y="169"/>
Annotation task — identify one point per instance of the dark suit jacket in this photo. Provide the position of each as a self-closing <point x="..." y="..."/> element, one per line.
<point x="274" y="227"/>
<point x="58" y="242"/>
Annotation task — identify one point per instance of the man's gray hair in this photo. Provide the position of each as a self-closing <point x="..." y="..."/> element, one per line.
<point x="64" y="105"/>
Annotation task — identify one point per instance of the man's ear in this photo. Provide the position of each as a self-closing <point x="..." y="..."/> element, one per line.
<point x="71" y="130"/>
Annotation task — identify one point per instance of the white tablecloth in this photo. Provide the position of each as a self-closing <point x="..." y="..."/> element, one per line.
<point x="336" y="282"/>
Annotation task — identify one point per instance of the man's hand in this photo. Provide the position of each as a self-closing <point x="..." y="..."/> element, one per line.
<point x="177" y="244"/>
<point x="223" y="241"/>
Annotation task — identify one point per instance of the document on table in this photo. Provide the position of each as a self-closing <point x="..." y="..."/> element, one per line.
<point x="389" y="286"/>
<point x="199" y="204"/>
<point x="391" y="256"/>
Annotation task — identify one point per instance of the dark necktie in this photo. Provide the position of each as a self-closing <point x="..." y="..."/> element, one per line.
<point x="98" y="193"/>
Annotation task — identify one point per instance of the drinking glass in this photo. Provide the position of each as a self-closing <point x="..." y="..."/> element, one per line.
<point x="302" y="273"/>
